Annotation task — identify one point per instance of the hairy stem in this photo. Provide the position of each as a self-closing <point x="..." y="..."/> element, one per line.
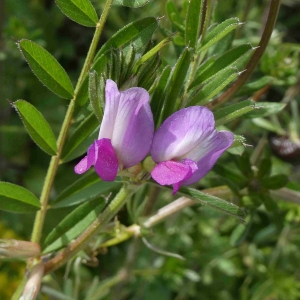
<point x="273" y="12"/>
<point x="112" y="209"/>
<point x="48" y="183"/>
<point x="41" y="214"/>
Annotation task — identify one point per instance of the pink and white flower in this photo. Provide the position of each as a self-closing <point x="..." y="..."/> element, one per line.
<point x="125" y="135"/>
<point x="186" y="147"/>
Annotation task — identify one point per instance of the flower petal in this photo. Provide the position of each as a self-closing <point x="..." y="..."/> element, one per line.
<point x="106" y="164"/>
<point x="87" y="161"/>
<point x="138" y="137"/>
<point x="181" y="133"/>
<point x="112" y="99"/>
<point x="128" y="122"/>
<point x="222" y="141"/>
<point x="173" y="173"/>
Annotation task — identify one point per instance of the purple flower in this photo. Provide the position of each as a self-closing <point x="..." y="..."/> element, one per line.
<point x="186" y="146"/>
<point x="125" y="135"/>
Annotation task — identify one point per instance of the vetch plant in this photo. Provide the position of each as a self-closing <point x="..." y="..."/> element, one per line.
<point x="126" y="90"/>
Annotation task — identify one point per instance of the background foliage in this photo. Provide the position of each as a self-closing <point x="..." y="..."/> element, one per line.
<point x="224" y="259"/>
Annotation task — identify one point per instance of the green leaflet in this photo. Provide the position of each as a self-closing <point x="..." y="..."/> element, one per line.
<point x="37" y="127"/>
<point x="265" y="109"/>
<point x="151" y="52"/>
<point x="215" y="202"/>
<point x="212" y="88"/>
<point x="137" y="33"/>
<point x="157" y="100"/>
<point x="218" y="32"/>
<point x="96" y="94"/>
<point x="252" y="87"/>
<point x="17" y="199"/>
<point x="176" y="83"/>
<point x="226" y="60"/>
<point x="233" y="111"/>
<point x="47" y="69"/>
<point x="192" y="23"/>
<point x="80" y="11"/>
<point x="267" y="125"/>
<point x="133" y="3"/>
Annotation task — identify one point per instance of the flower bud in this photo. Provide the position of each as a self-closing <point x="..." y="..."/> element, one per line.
<point x="18" y="249"/>
<point x="33" y="284"/>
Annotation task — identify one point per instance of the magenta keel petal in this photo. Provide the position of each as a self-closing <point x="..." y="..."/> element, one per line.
<point x="87" y="161"/>
<point x="173" y="173"/>
<point x="169" y="172"/>
<point x="106" y="164"/>
<point x="82" y="166"/>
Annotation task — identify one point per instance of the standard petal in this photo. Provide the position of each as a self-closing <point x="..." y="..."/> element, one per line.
<point x="134" y="127"/>
<point x="112" y="99"/>
<point x="173" y="173"/>
<point x="181" y="133"/>
<point x="106" y="164"/>
<point x="222" y="141"/>
<point x="87" y="161"/>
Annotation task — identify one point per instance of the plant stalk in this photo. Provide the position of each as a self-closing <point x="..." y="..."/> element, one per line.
<point x="41" y="214"/>
<point x="272" y="17"/>
<point x="48" y="183"/>
<point x="112" y="209"/>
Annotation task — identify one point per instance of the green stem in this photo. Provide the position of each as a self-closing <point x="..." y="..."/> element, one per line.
<point x="41" y="214"/>
<point x="48" y="183"/>
<point x="112" y="209"/>
<point x="94" y="44"/>
<point x="273" y="12"/>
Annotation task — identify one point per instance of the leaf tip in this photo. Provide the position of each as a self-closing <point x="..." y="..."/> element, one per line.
<point x="160" y="18"/>
<point x="241" y="72"/>
<point x="10" y="102"/>
<point x="16" y="40"/>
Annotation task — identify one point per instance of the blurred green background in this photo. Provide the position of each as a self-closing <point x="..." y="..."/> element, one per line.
<point x="224" y="259"/>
